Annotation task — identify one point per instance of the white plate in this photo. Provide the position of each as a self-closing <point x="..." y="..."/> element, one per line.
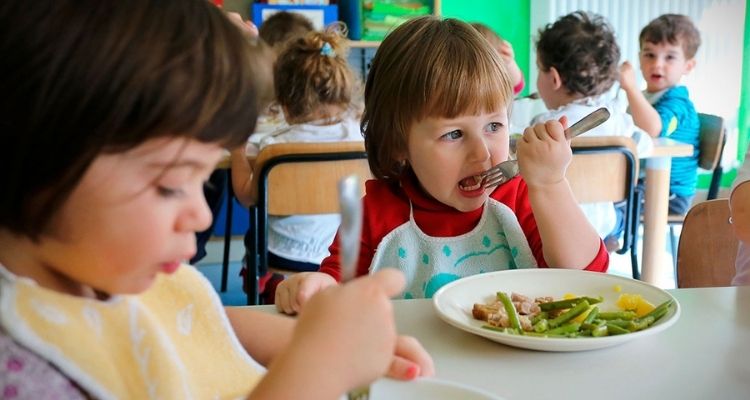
<point x="426" y="388"/>
<point x="454" y="301"/>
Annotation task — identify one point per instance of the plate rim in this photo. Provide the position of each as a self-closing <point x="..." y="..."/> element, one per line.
<point x="446" y="383"/>
<point x="542" y="343"/>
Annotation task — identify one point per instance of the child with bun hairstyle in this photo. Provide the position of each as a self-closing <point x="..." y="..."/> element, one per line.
<point x="314" y="87"/>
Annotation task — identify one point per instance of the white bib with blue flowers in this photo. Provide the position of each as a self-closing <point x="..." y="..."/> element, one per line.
<point x="497" y="243"/>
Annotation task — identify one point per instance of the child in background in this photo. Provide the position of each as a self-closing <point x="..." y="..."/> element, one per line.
<point x="436" y="117"/>
<point x="94" y="301"/>
<point x="282" y="27"/>
<point x="739" y="205"/>
<point x="577" y="57"/>
<point x="505" y="50"/>
<point x="668" y="47"/>
<point x="314" y="86"/>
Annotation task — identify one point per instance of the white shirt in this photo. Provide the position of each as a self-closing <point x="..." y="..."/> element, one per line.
<point x="601" y="215"/>
<point x="305" y="238"/>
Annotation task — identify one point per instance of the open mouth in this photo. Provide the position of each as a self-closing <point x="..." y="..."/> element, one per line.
<point x="471" y="183"/>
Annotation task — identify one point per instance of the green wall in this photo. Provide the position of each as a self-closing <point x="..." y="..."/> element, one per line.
<point x="744" y="114"/>
<point x="511" y="19"/>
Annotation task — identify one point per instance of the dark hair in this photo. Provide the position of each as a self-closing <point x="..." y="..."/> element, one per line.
<point x="583" y="50"/>
<point x="84" y="77"/>
<point x="674" y="29"/>
<point x="283" y="26"/>
<point x="313" y="71"/>
<point x="427" y="67"/>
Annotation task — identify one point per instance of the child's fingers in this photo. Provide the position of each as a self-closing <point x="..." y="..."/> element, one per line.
<point x="554" y="129"/>
<point x="411" y="360"/>
<point x="391" y="280"/>
<point x="282" y="298"/>
<point x="564" y="121"/>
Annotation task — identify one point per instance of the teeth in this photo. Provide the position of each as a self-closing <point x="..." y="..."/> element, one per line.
<point x="477" y="184"/>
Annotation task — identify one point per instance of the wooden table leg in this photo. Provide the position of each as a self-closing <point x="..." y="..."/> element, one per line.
<point x="655" y="268"/>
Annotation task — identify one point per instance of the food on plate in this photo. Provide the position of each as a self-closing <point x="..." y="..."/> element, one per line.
<point x="570" y="317"/>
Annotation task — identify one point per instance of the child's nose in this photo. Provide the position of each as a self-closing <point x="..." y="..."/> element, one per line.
<point x="480" y="150"/>
<point x="196" y="217"/>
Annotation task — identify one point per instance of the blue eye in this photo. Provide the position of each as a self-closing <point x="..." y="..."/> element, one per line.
<point x="494" y="126"/>
<point x="453" y="135"/>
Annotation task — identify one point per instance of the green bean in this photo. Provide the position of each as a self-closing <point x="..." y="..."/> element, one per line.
<point x="565" y="329"/>
<point x="659" y="311"/>
<point x="568" y="303"/>
<point x="510" y="309"/>
<point x="620" y="323"/>
<point x="539" y="316"/>
<point x="640" y="323"/>
<point x="616" y="330"/>
<point x="544" y="335"/>
<point x="600" y="331"/>
<point x="582" y="306"/>
<point x="623" y="315"/>
<point x="541" y="326"/>
<point x="592" y="315"/>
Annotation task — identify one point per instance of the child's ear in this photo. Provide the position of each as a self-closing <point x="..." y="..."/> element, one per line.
<point x="556" y="79"/>
<point x="689" y="65"/>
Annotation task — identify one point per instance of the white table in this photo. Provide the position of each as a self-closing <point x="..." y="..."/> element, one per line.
<point x="703" y="356"/>
<point x="654" y="268"/>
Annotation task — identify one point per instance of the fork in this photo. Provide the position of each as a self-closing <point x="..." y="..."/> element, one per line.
<point x="506" y="170"/>
<point x="350" y="234"/>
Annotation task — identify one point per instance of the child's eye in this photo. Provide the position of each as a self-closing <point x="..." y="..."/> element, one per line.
<point x="453" y="135"/>
<point x="169" y="192"/>
<point x="494" y="126"/>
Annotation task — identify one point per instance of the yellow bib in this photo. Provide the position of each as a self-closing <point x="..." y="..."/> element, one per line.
<point x="171" y="342"/>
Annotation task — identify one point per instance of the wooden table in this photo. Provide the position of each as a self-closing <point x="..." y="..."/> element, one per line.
<point x="654" y="268"/>
<point x="702" y="356"/>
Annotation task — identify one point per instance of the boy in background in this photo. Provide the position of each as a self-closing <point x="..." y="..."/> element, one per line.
<point x="668" y="46"/>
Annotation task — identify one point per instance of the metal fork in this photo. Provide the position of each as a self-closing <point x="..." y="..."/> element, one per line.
<point x="350" y="235"/>
<point x="506" y="170"/>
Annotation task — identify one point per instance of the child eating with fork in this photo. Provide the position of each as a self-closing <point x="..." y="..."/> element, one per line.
<point x="436" y="116"/>
<point x="115" y="119"/>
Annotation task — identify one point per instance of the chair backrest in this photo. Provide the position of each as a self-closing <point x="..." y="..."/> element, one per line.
<point x="604" y="168"/>
<point x="708" y="246"/>
<point x="301" y="178"/>
<point x="711" y="142"/>
<point x="296" y="179"/>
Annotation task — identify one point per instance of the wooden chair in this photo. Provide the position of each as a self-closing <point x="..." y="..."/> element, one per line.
<point x="708" y="246"/>
<point x="296" y="179"/>
<point x="710" y="150"/>
<point x="605" y="169"/>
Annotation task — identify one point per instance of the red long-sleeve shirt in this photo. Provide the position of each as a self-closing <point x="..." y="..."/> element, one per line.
<point x="386" y="206"/>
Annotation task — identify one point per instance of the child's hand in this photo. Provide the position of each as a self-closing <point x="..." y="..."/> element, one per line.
<point x="410" y="360"/>
<point x="544" y="153"/>
<point x="293" y="292"/>
<point x="349" y="330"/>
<point x="627" y="77"/>
<point x="506" y="52"/>
<point x="248" y="28"/>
